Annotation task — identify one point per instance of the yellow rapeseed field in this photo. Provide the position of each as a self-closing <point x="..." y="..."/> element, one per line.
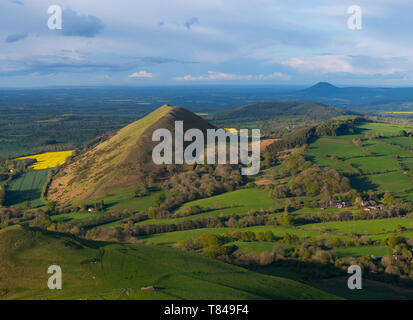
<point x="49" y="159"/>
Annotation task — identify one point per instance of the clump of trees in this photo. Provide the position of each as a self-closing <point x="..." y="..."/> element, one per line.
<point x="203" y="181"/>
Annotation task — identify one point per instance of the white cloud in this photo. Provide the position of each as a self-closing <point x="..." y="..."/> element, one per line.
<point x="141" y="74"/>
<point x="215" y="75"/>
<point x="325" y="64"/>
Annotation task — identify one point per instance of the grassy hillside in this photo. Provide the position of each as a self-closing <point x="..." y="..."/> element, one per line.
<point x="379" y="162"/>
<point x="95" y="270"/>
<point x="121" y="161"/>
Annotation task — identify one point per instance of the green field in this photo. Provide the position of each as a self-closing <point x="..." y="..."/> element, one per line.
<point x="386" y="129"/>
<point x="236" y="202"/>
<point x="73" y="217"/>
<point x="392" y="181"/>
<point x="406" y="142"/>
<point x="362" y="226"/>
<point x="27" y="187"/>
<point x="230" y="203"/>
<point x="93" y="270"/>
<point x="171" y="238"/>
<point x="363" y="251"/>
<point x="12" y="149"/>
<point x="378" y="172"/>
<point x="125" y="200"/>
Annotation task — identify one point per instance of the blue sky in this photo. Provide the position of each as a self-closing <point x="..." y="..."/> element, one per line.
<point x="197" y="42"/>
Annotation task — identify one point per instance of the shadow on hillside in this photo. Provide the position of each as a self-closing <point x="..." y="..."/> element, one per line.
<point x="363" y="183"/>
<point x="14" y="197"/>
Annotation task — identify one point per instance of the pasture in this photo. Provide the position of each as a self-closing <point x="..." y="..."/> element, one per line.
<point x="95" y="270"/>
<point x="379" y="169"/>
<point x="377" y="251"/>
<point x="368" y="227"/>
<point x="26" y="188"/>
<point x="237" y="202"/>
<point x="171" y="238"/>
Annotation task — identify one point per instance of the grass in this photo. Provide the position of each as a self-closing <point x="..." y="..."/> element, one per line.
<point x="73" y="217"/>
<point x="372" y="290"/>
<point x="406" y="142"/>
<point x="230" y="203"/>
<point x="8" y="149"/>
<point x="379" y="172"/>
<point x="377" y="251"/>
<point x="93" y="270"/>
<point x="125" y="199"/>
<point x="256" y="247"/>
<point x="391" y="181"/>
<point x="171" y="238"/>
<point x="386" y="129"/>
<point x="361" y="226"/>
<point x="235" y="202"/>
<point x="27" y="187"/>
<point x="49" y="159"/>
<point x="373" y="165"/>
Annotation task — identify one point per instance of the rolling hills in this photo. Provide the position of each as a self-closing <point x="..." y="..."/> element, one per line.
<point x="121" y="161"/>
<point x="96" y="270"/>
<point x="360" y="99"/>
<point x="264" y="110"/>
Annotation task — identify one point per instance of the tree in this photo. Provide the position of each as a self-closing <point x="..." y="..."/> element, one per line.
<point x="2" y="196"/>
<point x="269" y="236"/>
<point x="51" y="206"/>
<point x="99" y="206"/>
<point x="267" y="160"/>
<point x="286" y="220"/>
<point x="26" y="205"/>
<point x="261" y="236"/>
<point x="141" y="191"/>
<point x="388" y="198"/>
<point x="159" y="199"/>
<point x="394" y="240"/>
<point x="151" y="213"/>
<point x="42" y="221"/>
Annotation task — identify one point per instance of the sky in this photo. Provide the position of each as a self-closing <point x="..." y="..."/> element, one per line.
<point x="205" y="42"/>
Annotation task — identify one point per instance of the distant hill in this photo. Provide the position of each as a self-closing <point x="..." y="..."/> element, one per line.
<point x="98" y="270"/>
<point x="321" y="88"/>
<point x="267" y="110"/>
<point x="121" y="161"/>
<point x="356" y="98"/>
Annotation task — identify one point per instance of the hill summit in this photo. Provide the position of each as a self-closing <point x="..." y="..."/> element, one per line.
<point x="321" y="89"/>
<point x="121" y="161"/>
<point x="323" y="85"/>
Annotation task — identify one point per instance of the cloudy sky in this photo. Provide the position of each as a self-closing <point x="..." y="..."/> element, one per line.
<point x="194" y="42"/>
